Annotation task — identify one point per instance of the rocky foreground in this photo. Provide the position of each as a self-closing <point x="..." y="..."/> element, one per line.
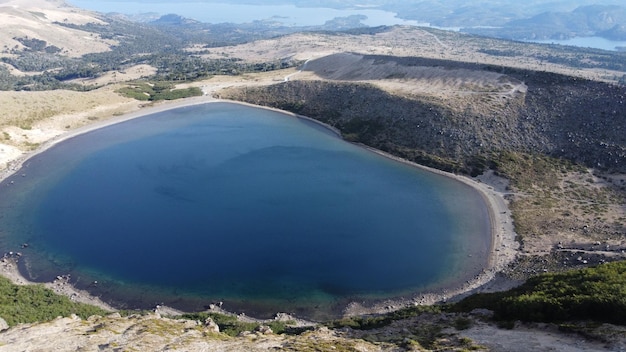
<point x="440" y="332"/>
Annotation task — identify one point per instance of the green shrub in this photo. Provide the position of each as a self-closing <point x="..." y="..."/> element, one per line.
<point x="379" y="321"/>
<point x="177" y="94"/>
<point x="462" y="323"/>
<point x="597" y="294"/>
<point x="32" y="303"/>
<point x="228" y="324"/>
<point x="134" y="93"/>
<point x="231" y="326"/>
<point x="157" y="91"/>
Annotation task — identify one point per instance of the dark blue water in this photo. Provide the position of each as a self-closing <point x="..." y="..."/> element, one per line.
<point x="223" y="202"/>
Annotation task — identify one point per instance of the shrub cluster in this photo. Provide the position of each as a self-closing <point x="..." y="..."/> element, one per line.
<point x="32" y="303"/>
<point x="158" y="91"/>
<point x="231" y="326"/>
<point x="597" y="294"/>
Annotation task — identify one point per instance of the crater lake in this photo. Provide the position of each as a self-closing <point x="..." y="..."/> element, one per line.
<point x="258" y="209"/>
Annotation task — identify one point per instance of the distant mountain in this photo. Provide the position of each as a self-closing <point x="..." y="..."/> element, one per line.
<point x="137" y="17"/>
<point x="529" y="19"/>
<point x="593" y="20"/>
<point x="618" y="32"/>
<point x="175" y="20"/>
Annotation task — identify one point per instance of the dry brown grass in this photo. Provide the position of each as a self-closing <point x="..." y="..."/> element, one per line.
<point x="29" y="119"/>
<point x="557" y="204"/>
<point x="22" y="18"/>
<point x="34" y="117"/>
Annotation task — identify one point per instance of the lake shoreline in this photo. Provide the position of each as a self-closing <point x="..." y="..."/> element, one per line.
<point x="503" y="246"/>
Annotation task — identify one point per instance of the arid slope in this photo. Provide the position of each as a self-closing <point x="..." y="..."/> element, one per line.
<point x="36" y="19"/>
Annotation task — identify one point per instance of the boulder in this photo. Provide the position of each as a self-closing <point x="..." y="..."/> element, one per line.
<point x="3" y="325"/>
<point x="264" y="329"/>
<point x="211" y="326"/>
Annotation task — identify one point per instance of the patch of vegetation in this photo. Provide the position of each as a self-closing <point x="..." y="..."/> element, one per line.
<point x="33" y="303"/>
<point x="157" y="91"/>
<point x="559" y="196"/>
<point x="130" y="312"/>
<point x="231" y="326"/>
<point x="528" y="171"/>
<point x="338" y="345"/>
<point x="295" y="107"/>
<point x="379" y="321"/>
<point x="161" y="46"/>
<point x="178" y="94"/>
<point x="359" y="130"/>
<point x="31" y="145"/>
<point x="596" y="294"/>
<point x="462" y="323"/>
<point x="160" y="327"/>
<point x="499" y="52"/>
<point x="428" y="333"/>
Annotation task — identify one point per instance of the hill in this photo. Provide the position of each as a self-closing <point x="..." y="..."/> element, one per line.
<point x="591" y="20"/>
<point x="459" y="111"/>
<point x="21" y="20"/>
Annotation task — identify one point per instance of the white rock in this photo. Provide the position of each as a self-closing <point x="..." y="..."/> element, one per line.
<point x="211" y="325"/>
<point x="3" y="325"/>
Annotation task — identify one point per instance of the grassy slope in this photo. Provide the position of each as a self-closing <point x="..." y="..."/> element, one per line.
<point x="597" y="294"/>
<point x="32" y="303"/>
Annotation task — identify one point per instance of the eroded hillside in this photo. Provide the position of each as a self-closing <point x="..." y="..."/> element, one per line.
<point x="22" y="20"/>
<point x="456" y="113"/>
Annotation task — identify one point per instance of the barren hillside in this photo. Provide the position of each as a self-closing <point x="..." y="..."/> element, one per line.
<point x="456" y="111"/>
<point x="36" y="19"/>
<point x="426" y="43"/>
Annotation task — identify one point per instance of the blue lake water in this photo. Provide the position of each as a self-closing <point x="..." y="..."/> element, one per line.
<point x="586" y="42"/>
<point x="224" y="202"/>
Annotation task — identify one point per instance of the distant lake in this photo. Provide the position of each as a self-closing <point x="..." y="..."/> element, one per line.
<point x="224" y="202"/>
<point x="585" y="42"/>
<point x="235" y="13"/>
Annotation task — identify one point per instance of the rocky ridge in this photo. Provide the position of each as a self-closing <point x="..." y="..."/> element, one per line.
<point x="508" y="109"/>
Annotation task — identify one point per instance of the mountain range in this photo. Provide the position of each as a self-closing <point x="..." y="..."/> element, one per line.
<point x="594" y="20"/>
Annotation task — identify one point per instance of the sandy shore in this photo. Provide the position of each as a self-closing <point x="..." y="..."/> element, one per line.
<point x="504" y="248"/>
<point x="492" y="188"/>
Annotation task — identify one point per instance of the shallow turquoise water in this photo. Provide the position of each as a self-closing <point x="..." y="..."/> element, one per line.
<point x="223" y="202"/>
